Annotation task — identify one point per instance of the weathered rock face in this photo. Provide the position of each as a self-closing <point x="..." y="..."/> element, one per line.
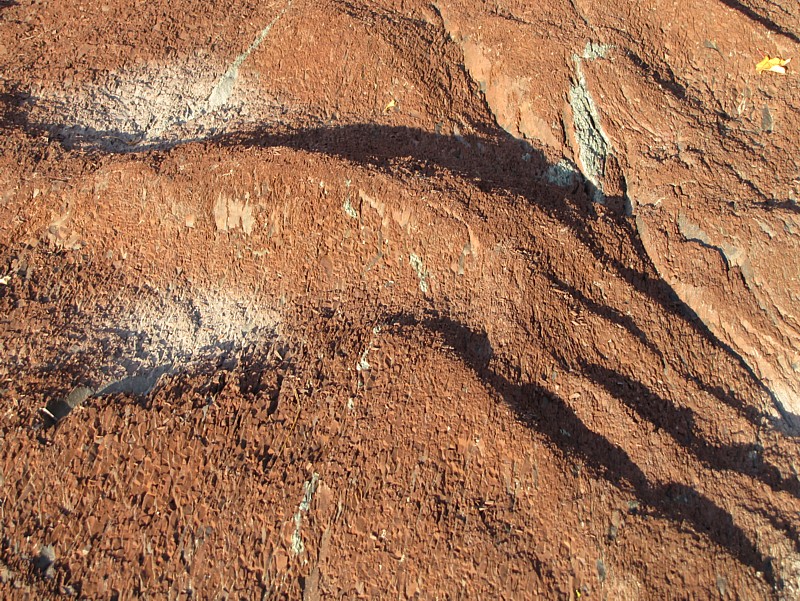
<point x="385" y="298"/>
<point x="692" y="141"/>
<point x="714" y="186"/>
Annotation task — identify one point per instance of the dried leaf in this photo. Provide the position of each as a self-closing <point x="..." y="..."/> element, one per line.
<point x="389" y="106"/>
<point x="775" y="65"/>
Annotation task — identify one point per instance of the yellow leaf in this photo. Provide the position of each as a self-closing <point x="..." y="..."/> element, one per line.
<point x="775" y="65"/>
<point x="391" y="105"/>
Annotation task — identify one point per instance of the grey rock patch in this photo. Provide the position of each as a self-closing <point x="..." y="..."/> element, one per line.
<point x="418" y="265"/>
<point x="138" y="385"/>
<point x="309" y="488"/>
<point x="45" y="560"/>
<point x="563" y="174"/>
<point x="601" y="570"/>
<point x="691" y="231"/>
<point x="767" y="121"/>
<point x="596" y="50"/>
<point x="722" y="585"/>
<point x="594" y="147"/>
<point x="58" y="409"/>
<point x="222" y="91"/>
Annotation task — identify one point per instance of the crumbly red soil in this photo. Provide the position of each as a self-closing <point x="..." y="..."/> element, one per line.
<point x="355" y="343"/>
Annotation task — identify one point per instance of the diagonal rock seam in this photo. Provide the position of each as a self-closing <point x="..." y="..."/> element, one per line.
<point x="222" y="91"/>
<point x="309" y="488"/>
<point x="148" y="107"/>
<point x="594" y="146"/>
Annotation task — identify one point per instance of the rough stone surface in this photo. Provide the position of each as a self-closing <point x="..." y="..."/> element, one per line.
<point x="358" y="324"/>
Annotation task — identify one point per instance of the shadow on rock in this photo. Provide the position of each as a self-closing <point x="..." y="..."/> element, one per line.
<point x="498" y="163"/>
<point x="754" y="15"/>
<point x="549" y="414"/>
<point x="495" y="162"/>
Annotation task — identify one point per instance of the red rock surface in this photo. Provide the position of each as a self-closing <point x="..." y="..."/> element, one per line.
<point x="399" y="300"/>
